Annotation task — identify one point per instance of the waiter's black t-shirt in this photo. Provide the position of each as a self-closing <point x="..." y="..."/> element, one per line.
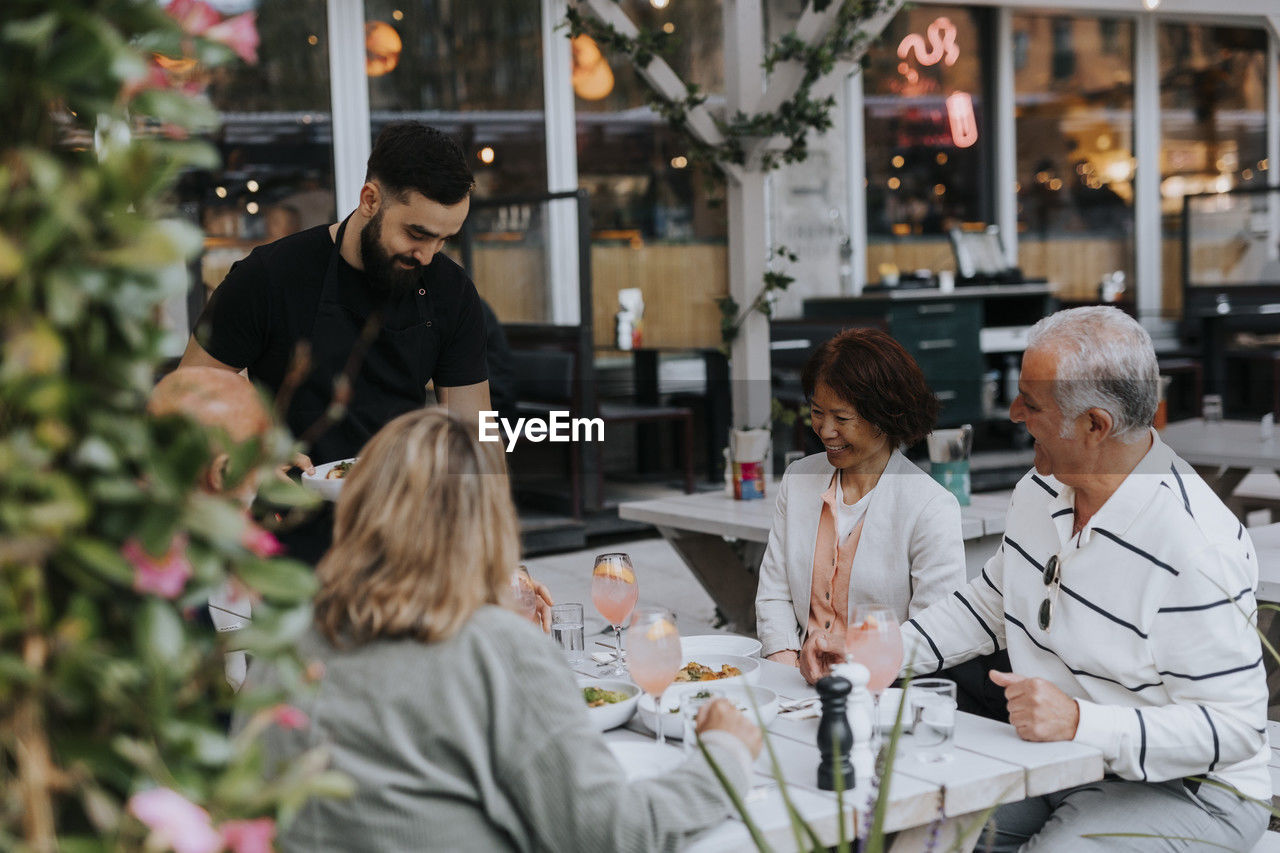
<point x="267" y="304"/>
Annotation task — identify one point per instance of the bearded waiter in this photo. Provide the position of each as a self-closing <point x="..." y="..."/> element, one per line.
<point x="374" y="285"/>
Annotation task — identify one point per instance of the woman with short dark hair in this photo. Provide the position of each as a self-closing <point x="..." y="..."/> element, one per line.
<point x="858" y="524"/>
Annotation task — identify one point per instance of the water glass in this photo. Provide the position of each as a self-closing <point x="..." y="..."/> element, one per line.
<point x="932" y="704"/>
<point x="1211" y="408"/>
<point x="691" y="703"/>
<point x="567" y="631"/>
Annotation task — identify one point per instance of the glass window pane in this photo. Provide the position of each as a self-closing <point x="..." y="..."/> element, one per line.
<point x="1212" y="124"/>
<point x="275" y="138"/>
<point x="471" y="68"/>
<point x="1074" y="126"/>
<point x="926" y="147"/>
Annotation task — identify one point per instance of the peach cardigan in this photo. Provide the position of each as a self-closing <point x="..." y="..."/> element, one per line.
<point x="910" y="554"/>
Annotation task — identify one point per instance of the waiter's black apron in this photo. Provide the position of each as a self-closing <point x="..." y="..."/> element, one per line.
<point x="390" y="380"/>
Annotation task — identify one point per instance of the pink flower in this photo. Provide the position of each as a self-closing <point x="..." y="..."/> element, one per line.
<point x="289" y="717"/>
<point x="194" y="16"/>
<point x="249" y="836"/>
<point x="165" y="576"/>
<point x="259" y="542"/>
<point x="175" y="822"/>
<point x="239" y="33"/>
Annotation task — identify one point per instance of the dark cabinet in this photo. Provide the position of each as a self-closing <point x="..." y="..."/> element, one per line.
<point x="943" y="332"/>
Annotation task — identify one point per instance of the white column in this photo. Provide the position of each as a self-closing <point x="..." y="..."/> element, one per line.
<point x="1273" y="133"/>
<point x="1146" y="183"/>
<point x="349" y="88"/>
<point x="856" y="177"/>
<point x="1006" y="141"/>
<point x="748" y="232"/>
<point x="562" y="167"/>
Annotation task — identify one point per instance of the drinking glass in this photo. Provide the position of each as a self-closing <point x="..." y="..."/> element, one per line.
<point x="875" y="641"/>
<point x="567" y="631"/>
<point x="614" y="592"/>
<point x="653" y="654"/>
<point x="1211" y="408"/>
<point x="523" y="595"/>
<point x="932" y="704"/>
<point x="690" y="704"/>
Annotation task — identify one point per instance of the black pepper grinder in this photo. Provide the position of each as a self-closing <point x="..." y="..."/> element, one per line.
<point x="834" y="735"/>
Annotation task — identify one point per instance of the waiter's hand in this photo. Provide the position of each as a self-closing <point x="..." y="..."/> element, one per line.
<point x="542" y="606"/>
<point x="1038" y="710"/>
<point x="818" y="654"/>
<point x="300" y="460"/>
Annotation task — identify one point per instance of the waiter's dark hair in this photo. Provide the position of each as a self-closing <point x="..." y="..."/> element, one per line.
<point x="409" y="155"/>
<point x="870" y="371"/>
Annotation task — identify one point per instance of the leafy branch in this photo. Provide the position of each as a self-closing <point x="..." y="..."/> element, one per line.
<point x="775" y="283"/>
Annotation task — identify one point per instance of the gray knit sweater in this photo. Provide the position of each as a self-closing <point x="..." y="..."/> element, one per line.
<point x="481" y="742"/>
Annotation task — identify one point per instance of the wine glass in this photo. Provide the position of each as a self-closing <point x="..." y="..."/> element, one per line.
<point x="523" y="594"/>
<point x="653" y="655"/>
<point x="614" y="592"/>
<point x="875" y="641"/>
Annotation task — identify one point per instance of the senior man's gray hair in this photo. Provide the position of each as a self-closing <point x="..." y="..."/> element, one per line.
<point x="1105" y="361"/>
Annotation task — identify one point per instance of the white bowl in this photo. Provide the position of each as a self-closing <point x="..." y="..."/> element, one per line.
<point x="766" y="704"/>
<point x="320" y="484"/>
<point x="719" y="644"/>
<point x="611" y="716"/>
<point x="750" y="667"/>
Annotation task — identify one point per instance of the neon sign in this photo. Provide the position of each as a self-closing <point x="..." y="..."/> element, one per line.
<point x="938" y="45"/>
<point x="942" y="47"/>
<point x="964" y="126"/>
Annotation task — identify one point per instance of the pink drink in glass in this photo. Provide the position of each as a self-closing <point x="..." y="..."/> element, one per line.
<point x="614" y="592"/>
<point x="653" y="655"/>
<point x="877" y="645"/>
<point x="613" y="597"/>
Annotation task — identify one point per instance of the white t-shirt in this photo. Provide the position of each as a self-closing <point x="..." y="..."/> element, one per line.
<point x="848" y="515"/>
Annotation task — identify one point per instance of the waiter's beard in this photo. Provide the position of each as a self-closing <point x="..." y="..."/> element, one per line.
<point x="380" y="265"/>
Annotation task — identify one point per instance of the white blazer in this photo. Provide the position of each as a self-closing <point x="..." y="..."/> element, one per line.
<point x="911" y="552"/>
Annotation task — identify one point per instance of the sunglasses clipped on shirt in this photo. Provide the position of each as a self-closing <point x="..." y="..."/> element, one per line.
<point x="1053" y="583"/>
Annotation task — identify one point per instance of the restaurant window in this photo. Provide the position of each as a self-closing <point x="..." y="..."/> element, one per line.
<point x="1075" y="152"/>
<point x="274" y="139"/>
<point x="473" y="70"/>
<point x="1213" y="135"/>
<point x="926" y="142"/>
<point x="658" y="219"/>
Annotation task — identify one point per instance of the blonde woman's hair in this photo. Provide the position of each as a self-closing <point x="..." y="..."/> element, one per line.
<point x="425" y="534"/>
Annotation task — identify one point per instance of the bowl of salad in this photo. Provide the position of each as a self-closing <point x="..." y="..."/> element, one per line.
<point x="327" y="480"/>
<point x="610" y="701"/>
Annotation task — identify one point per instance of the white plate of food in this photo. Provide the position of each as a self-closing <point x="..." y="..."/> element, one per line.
<point x="672" y="721"/>
<point x="327" y="480"/>
<point x="610" y="701"/>
<point x="645" y="759"/>
<point x="714" y="668"/>
<point x="719" y="644"/>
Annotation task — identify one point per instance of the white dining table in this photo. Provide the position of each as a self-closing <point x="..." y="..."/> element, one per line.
<point x="990" y="765"/>
<point x="722" y="541"/>
<point x="1223" y="452"/>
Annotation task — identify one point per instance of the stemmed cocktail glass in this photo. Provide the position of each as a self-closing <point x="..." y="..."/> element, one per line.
<point x="614" y="592"/>
<point x="875" y="641"/>
<point x="653" y="656"/>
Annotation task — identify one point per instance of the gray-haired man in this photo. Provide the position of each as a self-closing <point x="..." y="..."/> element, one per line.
<point x="1124" y="592"/>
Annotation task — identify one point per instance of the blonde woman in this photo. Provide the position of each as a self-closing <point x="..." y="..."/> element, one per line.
<point x="457" y="719"/>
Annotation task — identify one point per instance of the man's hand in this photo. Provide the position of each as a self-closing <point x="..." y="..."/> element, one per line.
<point x="300" y="460"/>
<point x="1037" y="709"/>
<point x="790" y="657"/>
<point x="818" y="654"/>
<point x="542" y="606"/>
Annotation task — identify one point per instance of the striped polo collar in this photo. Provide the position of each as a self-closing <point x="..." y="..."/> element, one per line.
<point x="1135" y="493"/>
